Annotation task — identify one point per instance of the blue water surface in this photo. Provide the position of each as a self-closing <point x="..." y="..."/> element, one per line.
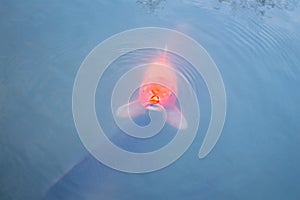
<point x="256" y="46"/>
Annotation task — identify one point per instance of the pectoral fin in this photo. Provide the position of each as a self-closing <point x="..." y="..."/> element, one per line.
<point x="176" y="118"/>
<point x="131" y="110"/>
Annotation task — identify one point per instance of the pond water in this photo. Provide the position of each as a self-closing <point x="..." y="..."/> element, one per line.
<point x="255" y="45"/>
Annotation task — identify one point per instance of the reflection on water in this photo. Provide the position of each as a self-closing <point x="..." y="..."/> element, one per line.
<point x="260" y="7"/>
<point x="151" y="5"/>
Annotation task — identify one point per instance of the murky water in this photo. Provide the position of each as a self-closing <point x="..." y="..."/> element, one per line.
<point x="255" y="45"/>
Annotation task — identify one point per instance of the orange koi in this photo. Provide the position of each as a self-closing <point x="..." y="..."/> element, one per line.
<point x="158" y="90"/>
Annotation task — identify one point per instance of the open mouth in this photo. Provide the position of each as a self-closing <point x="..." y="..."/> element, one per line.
<point x="154" y="99"/>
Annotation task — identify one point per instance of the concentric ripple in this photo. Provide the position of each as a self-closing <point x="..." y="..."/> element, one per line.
<point x="91" y="71"/>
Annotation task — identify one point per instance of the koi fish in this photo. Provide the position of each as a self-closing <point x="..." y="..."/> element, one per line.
<point x="158" y="90"/>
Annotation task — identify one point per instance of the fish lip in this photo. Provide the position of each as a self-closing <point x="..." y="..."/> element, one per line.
<point x="154" y="107"/>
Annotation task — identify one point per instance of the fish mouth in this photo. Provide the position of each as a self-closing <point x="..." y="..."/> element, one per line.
<point x="154" y="99"/>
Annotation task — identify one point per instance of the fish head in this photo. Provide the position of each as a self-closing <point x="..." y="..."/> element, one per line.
<point x="154" y="94"/>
